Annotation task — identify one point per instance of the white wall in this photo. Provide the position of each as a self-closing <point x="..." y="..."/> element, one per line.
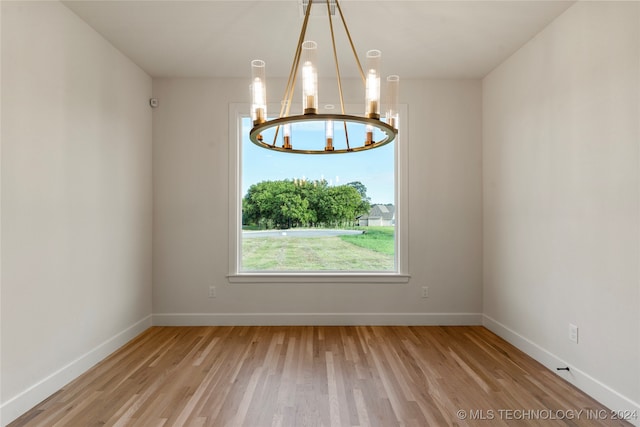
<point x="561" y="198"/>
<point x="191" y="181"/>
<point x="76" y="200"/>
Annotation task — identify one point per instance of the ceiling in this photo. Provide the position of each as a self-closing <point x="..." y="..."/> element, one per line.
<point x="418" y="39"/>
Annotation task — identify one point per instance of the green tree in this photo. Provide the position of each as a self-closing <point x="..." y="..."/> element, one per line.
<point x="316" y="192"/>
<point x="290" y="203"/>
<point x="293" y="209"/>
<point x="362" y="190"/>
<point x="346" y="204"/>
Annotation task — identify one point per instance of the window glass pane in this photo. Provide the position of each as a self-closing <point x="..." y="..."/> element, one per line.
<point x="317" y="212"/>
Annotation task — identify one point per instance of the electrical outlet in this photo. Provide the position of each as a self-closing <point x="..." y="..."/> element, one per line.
<point x="573" y="333"/>
<point x="425" y="292"/>
<point x="212" y="291"/>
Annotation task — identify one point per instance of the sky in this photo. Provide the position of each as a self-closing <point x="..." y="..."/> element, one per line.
<point x="373" y="168"/>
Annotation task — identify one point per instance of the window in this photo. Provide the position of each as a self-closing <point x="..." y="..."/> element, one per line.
<point x="296" y="217"/>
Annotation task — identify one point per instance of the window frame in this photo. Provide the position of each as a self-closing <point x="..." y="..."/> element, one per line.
<point x="239" y="110"/>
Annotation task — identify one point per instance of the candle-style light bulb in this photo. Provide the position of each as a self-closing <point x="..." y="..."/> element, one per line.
<point x="286" y="136"/>
<point x="372" y="91"/>
<point x="258" y="92"/>
<point x="393" y="83"/>
<point x="309" y="77"/>
<point x="368" y="135"/>
<point x="328" y="133"/>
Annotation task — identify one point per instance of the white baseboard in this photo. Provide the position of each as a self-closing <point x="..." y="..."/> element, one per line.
<point x="21" y="403"/>
<point x="276" y="319"/>
<point x="582" y="380"/>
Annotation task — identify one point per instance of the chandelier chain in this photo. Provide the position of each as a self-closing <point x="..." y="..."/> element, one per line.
<point x="353" y="47"/>
<point x="291" y="82"/>
<point x="335" y="59"/>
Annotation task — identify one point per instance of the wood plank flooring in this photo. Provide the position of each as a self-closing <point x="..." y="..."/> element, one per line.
<point x="318" y="376"/>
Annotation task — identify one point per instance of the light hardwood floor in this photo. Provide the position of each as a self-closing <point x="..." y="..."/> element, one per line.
<point x="318" y="376"/>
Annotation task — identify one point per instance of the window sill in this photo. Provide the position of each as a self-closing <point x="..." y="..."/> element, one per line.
<point x="319" y="278"/>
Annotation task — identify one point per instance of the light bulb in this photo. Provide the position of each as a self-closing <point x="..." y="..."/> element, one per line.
<point x="372" y="91"/>
<point x="286" y="136"/>
<point x="368" y="135"/>
<point x="393" y="83"/>
<point x="328" y="133"/>
<point x="309" y="77"/>
<point x="258" y="92"/>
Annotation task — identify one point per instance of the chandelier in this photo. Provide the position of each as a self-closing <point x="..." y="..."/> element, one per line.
<point x="376" y="132"/>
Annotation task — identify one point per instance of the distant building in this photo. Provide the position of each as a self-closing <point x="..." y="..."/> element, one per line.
<point x="379" y="215"/>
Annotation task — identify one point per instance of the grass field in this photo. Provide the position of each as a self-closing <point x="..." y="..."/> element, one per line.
<point x="372" y="251"/>
<point x="379" y="239"/>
